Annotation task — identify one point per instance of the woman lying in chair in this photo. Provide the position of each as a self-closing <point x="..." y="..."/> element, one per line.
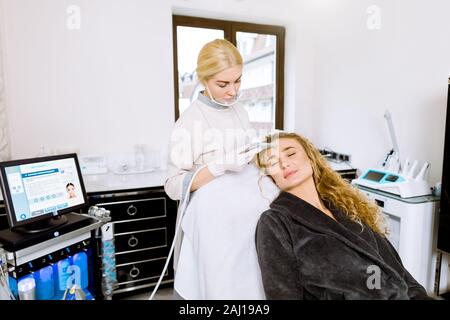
<point x="321" y="239"/>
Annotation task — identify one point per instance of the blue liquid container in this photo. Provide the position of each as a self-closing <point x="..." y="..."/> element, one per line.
<point x="91" y="271"/>
<point x="80" y="260"/>
<point x="26" y="287"/>
<point x="45" y="287"/>
<point x="61" y="274"/>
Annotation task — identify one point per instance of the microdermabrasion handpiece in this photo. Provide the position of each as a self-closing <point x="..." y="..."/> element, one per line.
<point x="406" y="166"/>
<point x="423" y="170"/>
<point x="411" y="171"/>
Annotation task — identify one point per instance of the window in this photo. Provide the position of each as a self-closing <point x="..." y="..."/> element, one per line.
<point x="262" y="48"/>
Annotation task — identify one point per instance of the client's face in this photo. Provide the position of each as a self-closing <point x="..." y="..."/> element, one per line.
<point x="287" y="163"/>
<point x="71" y="191"/>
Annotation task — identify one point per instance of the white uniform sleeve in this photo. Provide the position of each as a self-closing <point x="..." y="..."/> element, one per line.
<point x="180" y="160"/>
<point x="173" y="185"/>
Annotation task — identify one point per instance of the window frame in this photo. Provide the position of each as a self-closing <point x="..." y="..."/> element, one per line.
<point x="230" y="28"/>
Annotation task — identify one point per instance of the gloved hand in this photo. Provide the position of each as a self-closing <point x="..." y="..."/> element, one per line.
<point x="235" y="160"/>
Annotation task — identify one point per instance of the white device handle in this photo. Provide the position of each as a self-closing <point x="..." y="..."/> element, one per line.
<point x="394" y="163"/>
<point x="412" y="170"/>
<point x="423" y="170"/>
<point x="387" y="116"/>
<point x="406" y="166"/>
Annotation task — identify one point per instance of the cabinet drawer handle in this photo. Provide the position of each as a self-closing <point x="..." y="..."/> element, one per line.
<point x="132" y="210"/>
<point x="133" y="241"/>
<point x="134" y="272"/>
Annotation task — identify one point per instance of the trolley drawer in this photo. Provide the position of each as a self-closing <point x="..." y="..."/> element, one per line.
<point x="154" y="238"/>
<point x="136" y="209"/>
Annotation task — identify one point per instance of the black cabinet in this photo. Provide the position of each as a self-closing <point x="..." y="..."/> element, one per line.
<point x="144" y="226"/>
<point x="3" y="219"/>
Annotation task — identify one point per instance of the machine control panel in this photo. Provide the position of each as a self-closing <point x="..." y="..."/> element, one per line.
<point x="376" y="176"/>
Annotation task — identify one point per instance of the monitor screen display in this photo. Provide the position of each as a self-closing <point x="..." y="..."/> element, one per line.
<point x="40" y="188"/>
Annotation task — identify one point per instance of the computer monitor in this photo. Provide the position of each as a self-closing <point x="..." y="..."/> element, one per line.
<point x="39" y="191"/>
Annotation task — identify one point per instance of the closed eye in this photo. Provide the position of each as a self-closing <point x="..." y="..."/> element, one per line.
<point x="223" y="84"/>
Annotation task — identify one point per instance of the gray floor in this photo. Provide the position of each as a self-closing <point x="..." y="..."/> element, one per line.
<point x="161" y="294"/>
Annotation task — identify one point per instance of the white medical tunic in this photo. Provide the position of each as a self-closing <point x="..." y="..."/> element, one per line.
<point x="218" y="258"/>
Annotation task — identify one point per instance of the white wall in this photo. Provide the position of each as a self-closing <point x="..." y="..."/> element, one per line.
<point x="359" y="73"/>
<point x="4" y="133"/>
<point x="102" y="88"/>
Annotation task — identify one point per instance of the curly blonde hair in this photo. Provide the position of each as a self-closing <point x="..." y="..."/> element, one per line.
<point x="332" y="188"/>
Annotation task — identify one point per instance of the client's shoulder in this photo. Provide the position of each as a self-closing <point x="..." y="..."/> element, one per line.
<point x="269" y="214"/>
<point x="277" y="208"/>
<point x="273" y="217"/>
<point x="273" y="224"/>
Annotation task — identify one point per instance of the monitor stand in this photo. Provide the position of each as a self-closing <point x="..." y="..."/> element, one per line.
<point x="43" y="225"/>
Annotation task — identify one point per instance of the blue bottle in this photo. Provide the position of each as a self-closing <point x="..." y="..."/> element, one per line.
<point x="45" y="287"/>
<point x="91" y="272"/>
<point x="26" y="286"/>
<point x="81" y="261"/>
<point x="61" y="274"/>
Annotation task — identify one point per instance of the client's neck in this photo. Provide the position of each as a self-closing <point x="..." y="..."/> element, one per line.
<point x="307" y="191"/>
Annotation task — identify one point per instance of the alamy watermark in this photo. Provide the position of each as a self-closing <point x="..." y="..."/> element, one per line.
<point x="373" y="21"/>
<point x="73" y="21"/>
<point x="374" y="280"/>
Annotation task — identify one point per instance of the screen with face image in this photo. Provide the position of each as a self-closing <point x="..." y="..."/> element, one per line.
<point x="41" y="187"/>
